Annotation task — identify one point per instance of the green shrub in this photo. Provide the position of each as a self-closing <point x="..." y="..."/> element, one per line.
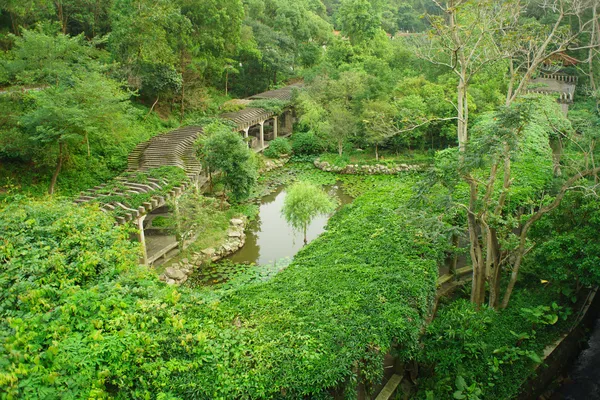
<point x="278" y="147"/>
<point x="489" y="353"/>
<point x="306" y="143"/>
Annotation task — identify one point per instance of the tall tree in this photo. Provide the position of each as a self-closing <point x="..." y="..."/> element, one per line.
<point x="224" y="151"/>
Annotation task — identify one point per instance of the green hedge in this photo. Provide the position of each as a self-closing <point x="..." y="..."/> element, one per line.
<point x="365" y="284"/>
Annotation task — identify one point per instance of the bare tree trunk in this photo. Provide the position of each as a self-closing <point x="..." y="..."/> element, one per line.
<point x="595" y="36"/>
<point x="511" y="82"/>
<point x="152" y="108"/>
<point x="478" y="283"/>
<point x="462" y="105"/>
<point x="305" y="235"/>
<point x="376" y="152"/>
<point x="340" y="147"/>
<point x="59" y="163"/>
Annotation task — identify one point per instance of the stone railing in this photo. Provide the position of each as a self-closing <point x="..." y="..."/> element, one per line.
<point x="560" y="78"/>
<point x="563" y="97"/>
<point x="355" y="169"/>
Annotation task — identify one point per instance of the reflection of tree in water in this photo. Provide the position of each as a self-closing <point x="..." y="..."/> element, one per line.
<point x="276" y="236"/>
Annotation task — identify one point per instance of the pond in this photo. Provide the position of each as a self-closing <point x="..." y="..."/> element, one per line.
<point x="269" y="237"/>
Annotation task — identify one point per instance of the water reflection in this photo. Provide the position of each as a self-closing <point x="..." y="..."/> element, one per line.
<point x="270" y="238"/>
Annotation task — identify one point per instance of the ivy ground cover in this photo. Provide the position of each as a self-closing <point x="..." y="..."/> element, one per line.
<point x="114" y="331"/>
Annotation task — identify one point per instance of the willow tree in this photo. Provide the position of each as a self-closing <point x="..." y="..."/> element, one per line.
<point x="303" y="203"/>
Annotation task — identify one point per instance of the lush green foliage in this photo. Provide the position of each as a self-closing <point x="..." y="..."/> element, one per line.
<point x="273" y="105"/>
<point x="225" y="151"/>
<point x="306" y="143"/>
<point x="79" y="123"/>
<point x="492" y="352"/>
<point x="145" y="339"/>
<point x="278" y="147"/>
<point x="568" y="249"/>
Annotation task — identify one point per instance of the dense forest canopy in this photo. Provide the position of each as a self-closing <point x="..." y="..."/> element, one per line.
<point x="466" y="130"/>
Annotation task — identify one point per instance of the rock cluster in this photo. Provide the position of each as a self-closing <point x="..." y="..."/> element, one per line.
<point x="355" y="169"/>
<point x="178" y="272"/>
<point x="270" y="165"/>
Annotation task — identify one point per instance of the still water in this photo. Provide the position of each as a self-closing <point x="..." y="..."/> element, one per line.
<point x="270" y="238"/>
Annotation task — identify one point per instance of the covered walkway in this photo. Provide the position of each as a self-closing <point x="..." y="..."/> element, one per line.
<point x="258" y="125"/>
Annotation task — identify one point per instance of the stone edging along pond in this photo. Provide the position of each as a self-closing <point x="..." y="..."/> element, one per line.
<point x="356" y="169"/>
<point x="178" y="272"/>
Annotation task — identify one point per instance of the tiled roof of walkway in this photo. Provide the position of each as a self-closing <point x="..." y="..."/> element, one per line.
<point x="251" y="116"/>
<point x="174" y="148"/>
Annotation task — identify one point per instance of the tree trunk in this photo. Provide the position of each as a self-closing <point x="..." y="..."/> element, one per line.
<point x="13" y="23"/>
<point x="305" y="236"/>
<point x="182" y="88"/>
<point x="478" y="283"/>
<point x="152" y="108"/>
<point x="61" y="16"/>
<point x="462" y="105"/>
<point x="59" y="163"/>
<point x="226" y="81"/>
<point x="496" y="269"/>
<point x="340" y="147"/>
<point x="376" y="152"/>
<point x="595" y="37"/>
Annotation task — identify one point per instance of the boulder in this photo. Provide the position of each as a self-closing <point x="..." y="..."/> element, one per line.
<point x="236" y="222"/>
<point x="175" y="274"/>
<point x="209" y="252"/>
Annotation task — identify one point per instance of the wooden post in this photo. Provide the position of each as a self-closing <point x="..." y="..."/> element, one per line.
<point x="262" y="134"/>
<point x="275" y="127"/>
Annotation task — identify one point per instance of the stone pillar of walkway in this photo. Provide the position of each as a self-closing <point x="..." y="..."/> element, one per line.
<point x="142" y="238"/>
<point x="275" y="127"/>
<point x="262" y="134"/>
<point x="246" y="136"/>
